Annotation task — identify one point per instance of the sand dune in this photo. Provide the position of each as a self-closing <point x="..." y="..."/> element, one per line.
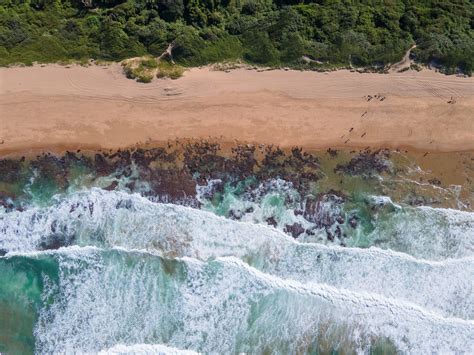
<point x="78" y="107"/>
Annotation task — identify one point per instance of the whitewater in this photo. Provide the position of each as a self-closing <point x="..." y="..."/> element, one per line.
<point x="112" y="272"/>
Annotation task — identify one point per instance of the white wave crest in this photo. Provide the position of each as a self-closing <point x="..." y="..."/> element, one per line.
<point x="118" y="219"/>
<point x="226" y="306"/>
<point x="145" y="349"/>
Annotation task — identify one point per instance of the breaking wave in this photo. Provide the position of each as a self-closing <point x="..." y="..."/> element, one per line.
<point x="134" y="276"/>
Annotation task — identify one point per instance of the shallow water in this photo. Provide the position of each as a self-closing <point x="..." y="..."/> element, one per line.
<point x="336" y="255"/>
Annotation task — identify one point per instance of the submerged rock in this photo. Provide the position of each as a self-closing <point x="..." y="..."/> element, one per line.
<point x="353" y="221"/>
<point x="10" y="170"/>
<point x="55" y="241"/>
<point x="271" y="221"/>
<point x="235" y="215"/>
<point x="295" y="229"/>
<point x="112" y="186"/>
<point x="366" y="163"/>
<point x="324" y="210"/>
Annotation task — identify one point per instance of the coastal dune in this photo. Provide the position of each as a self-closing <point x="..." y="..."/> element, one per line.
<point x="97" y="107"/>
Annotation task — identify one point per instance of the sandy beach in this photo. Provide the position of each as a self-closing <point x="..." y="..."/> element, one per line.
<point x="97" y="107"/>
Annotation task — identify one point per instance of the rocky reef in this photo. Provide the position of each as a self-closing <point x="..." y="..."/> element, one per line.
<point x="313" y="196"/>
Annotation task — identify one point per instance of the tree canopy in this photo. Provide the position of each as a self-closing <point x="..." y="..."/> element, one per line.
<point x="270" y="32"/>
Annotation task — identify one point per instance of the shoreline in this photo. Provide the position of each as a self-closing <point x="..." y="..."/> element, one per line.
<point x="437" y="179"/>
<point x="53" y="107"/>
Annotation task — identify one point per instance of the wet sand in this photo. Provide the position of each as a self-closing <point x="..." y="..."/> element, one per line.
<point x="55" y="107"/>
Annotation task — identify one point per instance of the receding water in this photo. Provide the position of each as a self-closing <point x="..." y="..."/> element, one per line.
<point x="215" y="253"/>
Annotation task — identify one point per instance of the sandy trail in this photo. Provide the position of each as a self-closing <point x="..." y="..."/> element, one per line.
<point x="78" y="107"/>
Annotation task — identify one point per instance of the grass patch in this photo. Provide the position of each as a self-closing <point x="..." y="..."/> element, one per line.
<point x="415" y="66"/>
<point x="144" y="69"/>
<point x="169" y="70"/>
<point x="141" y="69"/>
<point x="149" y="63"/>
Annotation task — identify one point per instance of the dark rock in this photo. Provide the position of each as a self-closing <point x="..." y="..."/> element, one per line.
<point x="130" y="185"/>
<point x="126" y="204"/>
<point x="213" y="187"/>
<point x="330" y="236"/>
<point x="332" y="152"/>
<point x="6" y="200"/>
<point x="101" y="165"/>
<point x="294" y="229"/>
<point x="366" y="163"/>
<point x="178" y="186"/>
<point x="112" y="186"/>
<point x="10" y="170"/>
<point x="353" y="221"/>
<point x="249" y="210"/>
<point x="235" y="215"/>
<point x="243" y="160"/>
<point x="51" y="168"/>
<point x="323" y="210"/>
<point x="56" y="241"/>
<point x="271" y="221"/>
<point x="435" y="181"/>
<point x="299" y="168"/>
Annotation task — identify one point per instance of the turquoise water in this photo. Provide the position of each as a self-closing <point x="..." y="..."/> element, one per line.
<point x="249" y="263"/>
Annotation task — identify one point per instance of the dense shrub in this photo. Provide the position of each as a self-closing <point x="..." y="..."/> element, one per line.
<point x="269" y="32"/>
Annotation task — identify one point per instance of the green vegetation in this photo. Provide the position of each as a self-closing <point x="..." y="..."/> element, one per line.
<point x="169" y="70"/>
<point x="300" y="33"/>
<point x="144" y="69"/>
<point x="141" y="69"/>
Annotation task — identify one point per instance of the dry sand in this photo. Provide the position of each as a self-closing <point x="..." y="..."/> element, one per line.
<point x="78" y="107"/>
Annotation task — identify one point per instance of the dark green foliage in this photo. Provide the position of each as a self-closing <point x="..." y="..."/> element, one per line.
<point x="269" y="32"/>
<point x="259" y="48"/>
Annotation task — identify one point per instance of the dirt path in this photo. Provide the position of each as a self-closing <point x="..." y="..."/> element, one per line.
<point x="404" y="63"/>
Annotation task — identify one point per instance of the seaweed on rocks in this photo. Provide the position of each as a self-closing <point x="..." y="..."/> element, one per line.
<point x="102" y="166"/>
<point x="271" y="221"/>
<point x="144" y="157"/>
<point x="112" y="186"/>
<point x="203" y="162"/>
<point x="295" y="229"/>
<point x="435" y="181"/>
<point x="418" y="200"/>
<point x="7" y="201"/>
<point x="169" y="174"/>
<point x="10" y="170"/>
<point x="206" y="162"/>
<point x="244" y="162"/>
<point x="332" y="152"/>
<point x="56" y="241"/>
<point x="367" y="163"/>
<point x="235" y="215"/>
<point x="192" y="173"/>
<point x="353" y="221"/>
<point x="300" y="168"/>
<point x="325" y="212"/>
<point x="173" y="186"/>
<point x="51" y="171"/>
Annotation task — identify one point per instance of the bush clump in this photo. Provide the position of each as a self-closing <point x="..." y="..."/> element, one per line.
<point x="141" y="69"/>
<point x="332" y="34"/>
<point x="169" y="70"/>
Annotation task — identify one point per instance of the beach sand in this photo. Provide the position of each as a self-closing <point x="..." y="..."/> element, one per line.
<point x="57" y="107"/>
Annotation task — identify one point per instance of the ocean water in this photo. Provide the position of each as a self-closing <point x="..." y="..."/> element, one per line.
<point x="333" y="257"/>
